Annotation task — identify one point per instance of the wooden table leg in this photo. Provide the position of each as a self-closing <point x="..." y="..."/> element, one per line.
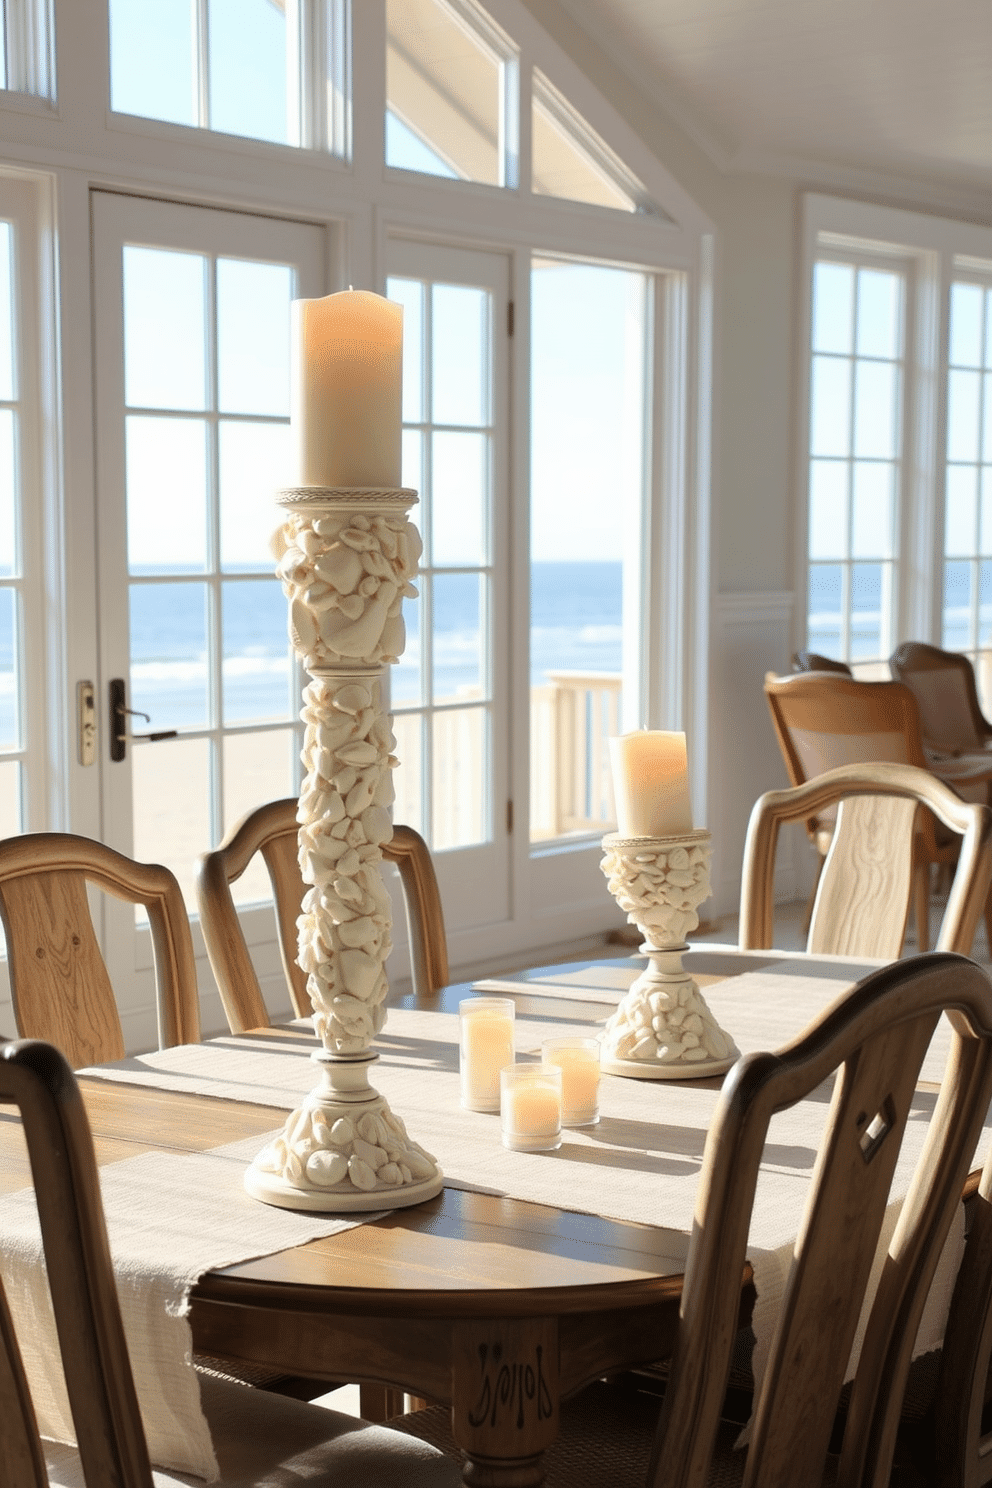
<point x="505" y="1398"/>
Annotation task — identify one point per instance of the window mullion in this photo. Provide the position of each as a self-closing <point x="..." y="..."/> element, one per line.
<point x="201" y="65"/>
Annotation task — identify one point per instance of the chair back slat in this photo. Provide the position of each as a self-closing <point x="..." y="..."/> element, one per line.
<point x="59" y="983"/>
<point x="834" y="1251"/>
<point x="875" y="1037"/>
<point x="60" y="986"/>
<point x="863" y="897"/>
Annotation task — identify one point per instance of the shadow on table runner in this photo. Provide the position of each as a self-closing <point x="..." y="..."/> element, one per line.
<point x="212" y="1223"/>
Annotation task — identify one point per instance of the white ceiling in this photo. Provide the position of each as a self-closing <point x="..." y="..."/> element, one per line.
<point x="901" y="87"/>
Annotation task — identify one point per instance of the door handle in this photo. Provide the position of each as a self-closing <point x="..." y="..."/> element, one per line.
<point x="119" y="714"/>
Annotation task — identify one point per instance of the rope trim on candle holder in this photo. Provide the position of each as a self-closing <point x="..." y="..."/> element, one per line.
<point x="613" y="840"/>
<point x="307" y="496"/>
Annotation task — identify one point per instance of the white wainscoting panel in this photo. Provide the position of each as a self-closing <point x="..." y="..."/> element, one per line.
<point x="751" y="635"/>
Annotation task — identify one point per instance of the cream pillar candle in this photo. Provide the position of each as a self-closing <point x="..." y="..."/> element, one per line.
<point x="579" y="1061"/>
<point x="346" y="390"/>
<point x="485" y="1047"/>
<point x="651" y="784"/>
<point x="530" y="1107"/>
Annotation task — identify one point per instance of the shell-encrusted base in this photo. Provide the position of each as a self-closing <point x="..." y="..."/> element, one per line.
<point x="272" y="1190"/>
<point x="663" y="1028"/>
<point x="344" y="1151"/>
<point x="650" y="1069"/>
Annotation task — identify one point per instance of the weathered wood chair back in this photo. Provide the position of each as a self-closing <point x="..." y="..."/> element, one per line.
<point x="823" y="721"/>
<point x="962" y="1438"/>
<point x="943" y="683"/>
<point x="272" y="831"/>
<point x="865" y="889"/>
<point x="60" y="987"/>
<point x="36" y="1078"/>
<point x="812" y="661"/>
<point x="875" y="1037"/>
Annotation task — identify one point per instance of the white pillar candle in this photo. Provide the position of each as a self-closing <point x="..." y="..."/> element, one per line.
<point x="579" y="1061"/>
<point x="485" y="1047"/>
<point x="651" y="784"/>
<point x="530" y="1107"/>
<point x="346" y="390"/>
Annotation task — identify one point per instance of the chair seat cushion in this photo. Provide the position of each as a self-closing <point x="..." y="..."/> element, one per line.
<point x="269" y="1441"/>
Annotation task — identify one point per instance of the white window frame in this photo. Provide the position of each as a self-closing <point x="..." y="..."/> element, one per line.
<point x="928" y="246"/>
<point x="30" y="46"/>
<point x="859" y="257"/>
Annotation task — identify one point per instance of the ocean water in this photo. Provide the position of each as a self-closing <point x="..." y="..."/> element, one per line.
<point x="575" y="626"/>
<point x="867" y="600"/>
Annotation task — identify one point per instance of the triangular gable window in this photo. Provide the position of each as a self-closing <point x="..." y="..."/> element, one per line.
<point x="449" y="74"/>
<point x="570" y="160"/>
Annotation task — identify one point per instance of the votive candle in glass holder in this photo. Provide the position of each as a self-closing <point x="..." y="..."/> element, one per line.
<point x="579" y="1060"/>
<point x="530" y="1107"/>
<point x="485" y="1046"/>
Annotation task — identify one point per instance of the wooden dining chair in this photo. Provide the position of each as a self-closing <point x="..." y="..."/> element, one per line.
<point x="272" y="831"/>
<point x="823" y="721"/>
<point x="962" y="1416"/>
<point x="259" y="1439"/>
<point x="60" y="987"/>
<point x="943" y="683"/>
<point x="875" y="1037"/>
<point x="866" y="884"/>
<point x="812" y="661"/>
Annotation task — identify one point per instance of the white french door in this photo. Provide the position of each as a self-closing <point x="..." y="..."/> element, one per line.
<point x="191" y="334"/>
<point x="450" y="691"/>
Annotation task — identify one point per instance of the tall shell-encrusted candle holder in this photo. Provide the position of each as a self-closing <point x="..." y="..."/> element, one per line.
<point x="346" y="559"/>
<point x="663" y="1029"/>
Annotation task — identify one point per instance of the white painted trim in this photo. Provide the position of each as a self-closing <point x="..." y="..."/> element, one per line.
<point x="961" y="197"/>
<point x="754" y="607"/>
<point x="750" y="635"/>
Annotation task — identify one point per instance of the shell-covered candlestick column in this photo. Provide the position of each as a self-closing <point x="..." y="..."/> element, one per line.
<point x="663" y="1029"/>
<point x="346" y="559"/>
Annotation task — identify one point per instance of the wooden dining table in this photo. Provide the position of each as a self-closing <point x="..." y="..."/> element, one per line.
<point x="497" y="1307"/>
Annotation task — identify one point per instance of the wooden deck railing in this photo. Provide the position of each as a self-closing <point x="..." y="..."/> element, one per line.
<point x="571" y="718"/>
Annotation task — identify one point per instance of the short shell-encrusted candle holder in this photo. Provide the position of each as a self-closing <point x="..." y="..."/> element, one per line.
<point x="663" y="1029"/>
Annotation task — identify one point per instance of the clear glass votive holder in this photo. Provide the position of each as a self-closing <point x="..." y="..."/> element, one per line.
<point x="530" y="1107"/>
<point x="579" y="1061"/>
<point x="485" y="1046"/>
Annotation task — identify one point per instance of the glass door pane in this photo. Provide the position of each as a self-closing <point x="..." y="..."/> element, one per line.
<point x="206" y="377"/>
<point x="587" y="454"/>
<point x="448" y="691"/>
<point x="192" y="328"/>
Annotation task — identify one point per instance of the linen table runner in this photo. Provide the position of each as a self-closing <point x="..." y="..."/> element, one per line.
<point x="640" y="1164"/>
<point x="171" y="1216"/>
